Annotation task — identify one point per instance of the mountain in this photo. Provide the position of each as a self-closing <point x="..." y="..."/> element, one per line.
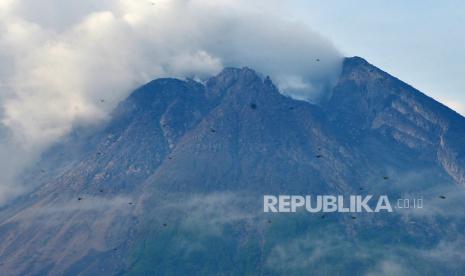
<point x="173" y="183"/>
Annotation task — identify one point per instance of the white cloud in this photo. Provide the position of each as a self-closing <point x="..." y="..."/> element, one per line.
<point x="52" y="211"/>
<point x="209" y="213"/>
<point x="60" y="57"/>
<point x="389" y="268"/>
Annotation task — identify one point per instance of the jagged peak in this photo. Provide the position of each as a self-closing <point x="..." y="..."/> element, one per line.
<point x="357" y="64"/>
<point x="355" y="60"/>
<point x="231" y="74"/>
<point x="163" y="86"/>
<point x="160" y="82"/>
<point x="237" y="70"/>
<point x="361" y="71"/>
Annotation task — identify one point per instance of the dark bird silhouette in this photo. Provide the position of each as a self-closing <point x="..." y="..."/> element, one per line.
<point x="386" y="178"/>
<point x="164" y="224"/>
<point x="318" y="60"/>
<point x="101" y="191"/>
<point x="99" y="153"/>
<point x="269" y="221"/>
<point x="253" y="106"/>
<point x="130" y="203"/>
<point x="442" y="197"/>
<point x="361" y="189"/>
<point x="319" y="156"/>
<point x="353" y="217"/>
<point x="79" y="198"/>
<point x="213" y="130"/>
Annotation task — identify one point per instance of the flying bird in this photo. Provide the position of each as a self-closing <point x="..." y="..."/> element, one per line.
<point x="79" y="198"/>
<point x="442" y="197"/>
<point x="319" y="156"/>
<point x="253" y="106"/>
<point x="386" y="178"/>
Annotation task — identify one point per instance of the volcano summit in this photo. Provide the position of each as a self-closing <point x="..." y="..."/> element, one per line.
<point x="173" y="183"/>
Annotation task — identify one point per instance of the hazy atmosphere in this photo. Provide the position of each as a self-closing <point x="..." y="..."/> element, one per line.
<point x="232" y="137"/>
<point x="60" y="59"/>
<point x="71" y="62"/>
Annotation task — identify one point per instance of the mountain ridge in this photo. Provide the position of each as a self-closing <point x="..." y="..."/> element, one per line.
<point x="117" y="204"/>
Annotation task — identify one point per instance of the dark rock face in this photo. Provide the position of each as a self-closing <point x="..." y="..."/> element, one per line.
<point x="369" y="104"/>
<point x="174" y="182"/>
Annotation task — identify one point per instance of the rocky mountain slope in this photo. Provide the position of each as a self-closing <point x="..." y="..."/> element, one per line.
<point x="174" y="183"/>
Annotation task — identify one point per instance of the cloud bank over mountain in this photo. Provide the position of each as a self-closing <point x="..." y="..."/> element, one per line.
<point x="70" y="62"/>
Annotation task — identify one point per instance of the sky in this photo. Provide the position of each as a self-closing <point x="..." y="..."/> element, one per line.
<point x="421" y="42"/>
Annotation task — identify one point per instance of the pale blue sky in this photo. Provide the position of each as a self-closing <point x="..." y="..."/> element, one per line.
<point x="421" y="42"/>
